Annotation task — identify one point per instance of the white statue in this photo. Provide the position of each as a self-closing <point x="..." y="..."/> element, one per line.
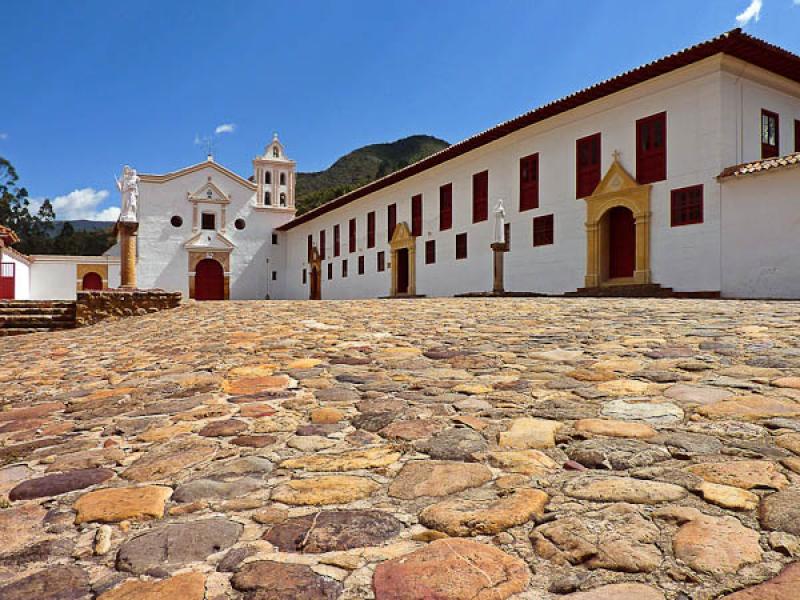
<point x="499" y="223"/>
<point x="129" y="188"/>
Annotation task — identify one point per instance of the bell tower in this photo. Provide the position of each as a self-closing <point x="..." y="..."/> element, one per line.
<point x="274" y="175"/>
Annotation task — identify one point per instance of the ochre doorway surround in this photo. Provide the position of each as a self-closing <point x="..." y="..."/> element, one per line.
<point x="403" y="240"/>
<point x="315" y="275"/>
<point x="617" y="188"/>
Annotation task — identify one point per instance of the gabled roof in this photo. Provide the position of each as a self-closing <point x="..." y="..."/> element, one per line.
<point x="8" y="236"/>
<point x="761" y="166"/>
<point x="150" y="178"/>
<point x="734" y="43"/>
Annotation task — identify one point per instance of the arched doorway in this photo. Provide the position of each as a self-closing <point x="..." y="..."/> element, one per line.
<point x="209" y="280"/>
<point x="621" y="243"/>
<point x="401" y="258"/>
<point x="315" y="288"/>
<point x="404" y="249"/>
<point x="92" y="281"/>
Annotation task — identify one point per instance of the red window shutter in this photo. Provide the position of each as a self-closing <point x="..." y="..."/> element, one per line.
<point x="416" y="215"/>
<point x="770" y="134"/>
<point x="543" y="230"/>
<point x="587" y="159"/>
<point x="336" y="240"/>
<point x="651" y="148"/>
<point x="430" y="252"/>
<point x="686" y="206"/>
<point x="381" y="261"/>
<point x="322" y="244"/>
<point x="371" y="229"/>
<point x="391" y="220"/>
<point x="352" y="235"/>
<point x="797" y="135"/>
<point x="529" y="182"/>
<point x="446" y="207"/>
<point x="461" y="246"/>
<point x="480" y="196"/>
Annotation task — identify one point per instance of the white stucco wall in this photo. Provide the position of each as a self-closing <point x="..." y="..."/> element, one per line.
<point x="22" y="279"/>
<point x="684" y="258"/>
<point x="162" y="259"/>
<point x="54" y="277"/>
<point x="761" y="235"/>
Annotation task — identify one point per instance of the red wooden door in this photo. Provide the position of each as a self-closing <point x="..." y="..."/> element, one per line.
<point x="209" y="280"/>
<point x="7" y="272"/>
<point x="402" y="271"/>
<point x="92" y="281"/>
<point x="621" y="242"/>
<point x="315" y="293"/>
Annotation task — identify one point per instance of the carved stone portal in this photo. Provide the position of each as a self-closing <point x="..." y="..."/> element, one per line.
<point x="404" y="258"/>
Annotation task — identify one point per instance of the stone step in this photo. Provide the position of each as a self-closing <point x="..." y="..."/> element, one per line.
<point x="652" y="290"/>
<point x="32" y="310"/>
<point x="37" y="304"/>
<point x="22" y="331"/>
<point x="36" y="321"/>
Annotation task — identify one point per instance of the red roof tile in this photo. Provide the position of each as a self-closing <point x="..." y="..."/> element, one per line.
<point x="761" y="166"/>
<point x="734" y="43"/>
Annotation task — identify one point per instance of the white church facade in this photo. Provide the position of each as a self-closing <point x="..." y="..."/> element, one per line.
<point x="682" y="175"/>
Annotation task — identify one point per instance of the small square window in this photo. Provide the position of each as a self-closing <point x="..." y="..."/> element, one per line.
<point x="430" y="252"/>
<point x="209" y="221"/>
<point x="274" y="239"/>
<point x="543" y="230"/>
<point x="361" y="265"/>
<point x="381" y="261"/>
<point x="461" y="246"/>
<point x="686" y="206"/>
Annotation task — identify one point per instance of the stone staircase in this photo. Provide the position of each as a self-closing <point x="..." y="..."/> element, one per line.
<point x="30" y="316"/>
<point x="650" y="290"/>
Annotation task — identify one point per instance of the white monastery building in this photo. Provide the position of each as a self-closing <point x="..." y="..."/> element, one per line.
<point x="680" y="176"/>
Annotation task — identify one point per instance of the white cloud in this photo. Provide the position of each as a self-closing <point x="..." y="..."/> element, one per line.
<point x="753" y="11"/>
<point x="225" y="128"/>
<point x="81" y="204"/>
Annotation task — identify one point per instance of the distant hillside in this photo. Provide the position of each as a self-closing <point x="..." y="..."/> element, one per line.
<point x="361" y="167"/>
<point x="82" y="225"/>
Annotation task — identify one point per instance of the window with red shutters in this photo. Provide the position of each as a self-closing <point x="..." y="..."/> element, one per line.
<point x="336" y="240"/>
<point x="416" y="215"/>
<point x="322" y="244"/>
<point x="371" y="229"/>
<point x="529" y="182"/>
<point x="430" y="252"/>
<point x="770" y="134"/>
<point x="391" y="220"/>
<point x="446" y="207"/>
<point x="587" y="159"/>
<point x="381" y="261"/>
<point x="543" y="230"/>
<point x="461" y="246"/>
<point x="361" y="265"/>
<point x="686" y="206"/>
<point x="797" y="135"/>
<point x="651" y="148"/>
<point x="480" y="196"/>
<point x="352" y="235"/>
<point x="310" y="246"/>
<point x="344" y="268"/>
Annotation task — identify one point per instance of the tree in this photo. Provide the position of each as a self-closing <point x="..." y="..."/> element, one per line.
<point x="33" y="229"/>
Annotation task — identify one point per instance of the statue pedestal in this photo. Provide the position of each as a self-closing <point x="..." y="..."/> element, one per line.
<point x="498" y="250"/>
<point x="127" y="243"/>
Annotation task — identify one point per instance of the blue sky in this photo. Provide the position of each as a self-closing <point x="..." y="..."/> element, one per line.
<point x="89" y="86"/>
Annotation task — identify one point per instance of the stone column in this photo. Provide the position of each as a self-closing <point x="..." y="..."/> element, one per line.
<point x="499" y="249"/>
<point x="128" y="254"/>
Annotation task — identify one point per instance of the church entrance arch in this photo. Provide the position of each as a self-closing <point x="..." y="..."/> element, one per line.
<point x="209" y="280"/>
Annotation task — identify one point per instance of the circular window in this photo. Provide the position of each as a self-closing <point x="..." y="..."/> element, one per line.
<point x="239" y="223"/>
<point x="176" y="221"/>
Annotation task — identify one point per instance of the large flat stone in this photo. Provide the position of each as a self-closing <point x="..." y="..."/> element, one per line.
<point x="451" y="569"/>
<point x="61" y="582"/>
<point x="186" y="586"/>
<point x="164" y="461"/>
<point x="623" y="489"/>
<point x="750" y="408"/>
<point x="437" y="478"/>
<point x="716" y="546"/>
<point x="59" y="483"/>
<point x="745" y="474"/>
<point x="350" y="460"/>
<point x="784" y="586"/>
<point x="530" y="433"/>
<point x="781" y="511"/>
<point x="268" y="580"/>
<point x="317" y="491"/>
<point x="618" y="591"/>
<point x="118" y="504"/>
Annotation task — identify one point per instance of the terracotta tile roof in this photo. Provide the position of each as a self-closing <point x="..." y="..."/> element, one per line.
<point x="8" y="236"/>
<point x="761" y="166"/>
<point x="735" y="43"/>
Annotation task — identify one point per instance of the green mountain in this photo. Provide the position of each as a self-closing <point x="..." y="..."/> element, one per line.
<point x="360" y="167"/>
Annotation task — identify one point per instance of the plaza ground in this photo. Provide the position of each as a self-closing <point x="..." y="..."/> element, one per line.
<point x="478" y="449"/>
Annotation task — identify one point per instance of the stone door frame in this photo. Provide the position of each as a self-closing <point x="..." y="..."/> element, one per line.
<point x="222" y="257"/>
<point x="403" y="240"/>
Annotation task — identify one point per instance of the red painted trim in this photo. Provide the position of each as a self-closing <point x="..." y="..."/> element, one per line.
<point x="651" y="161"/>
<point x="686" y="206"/>
<point x="734" y="43"/>
<point x="770" y="150"/>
